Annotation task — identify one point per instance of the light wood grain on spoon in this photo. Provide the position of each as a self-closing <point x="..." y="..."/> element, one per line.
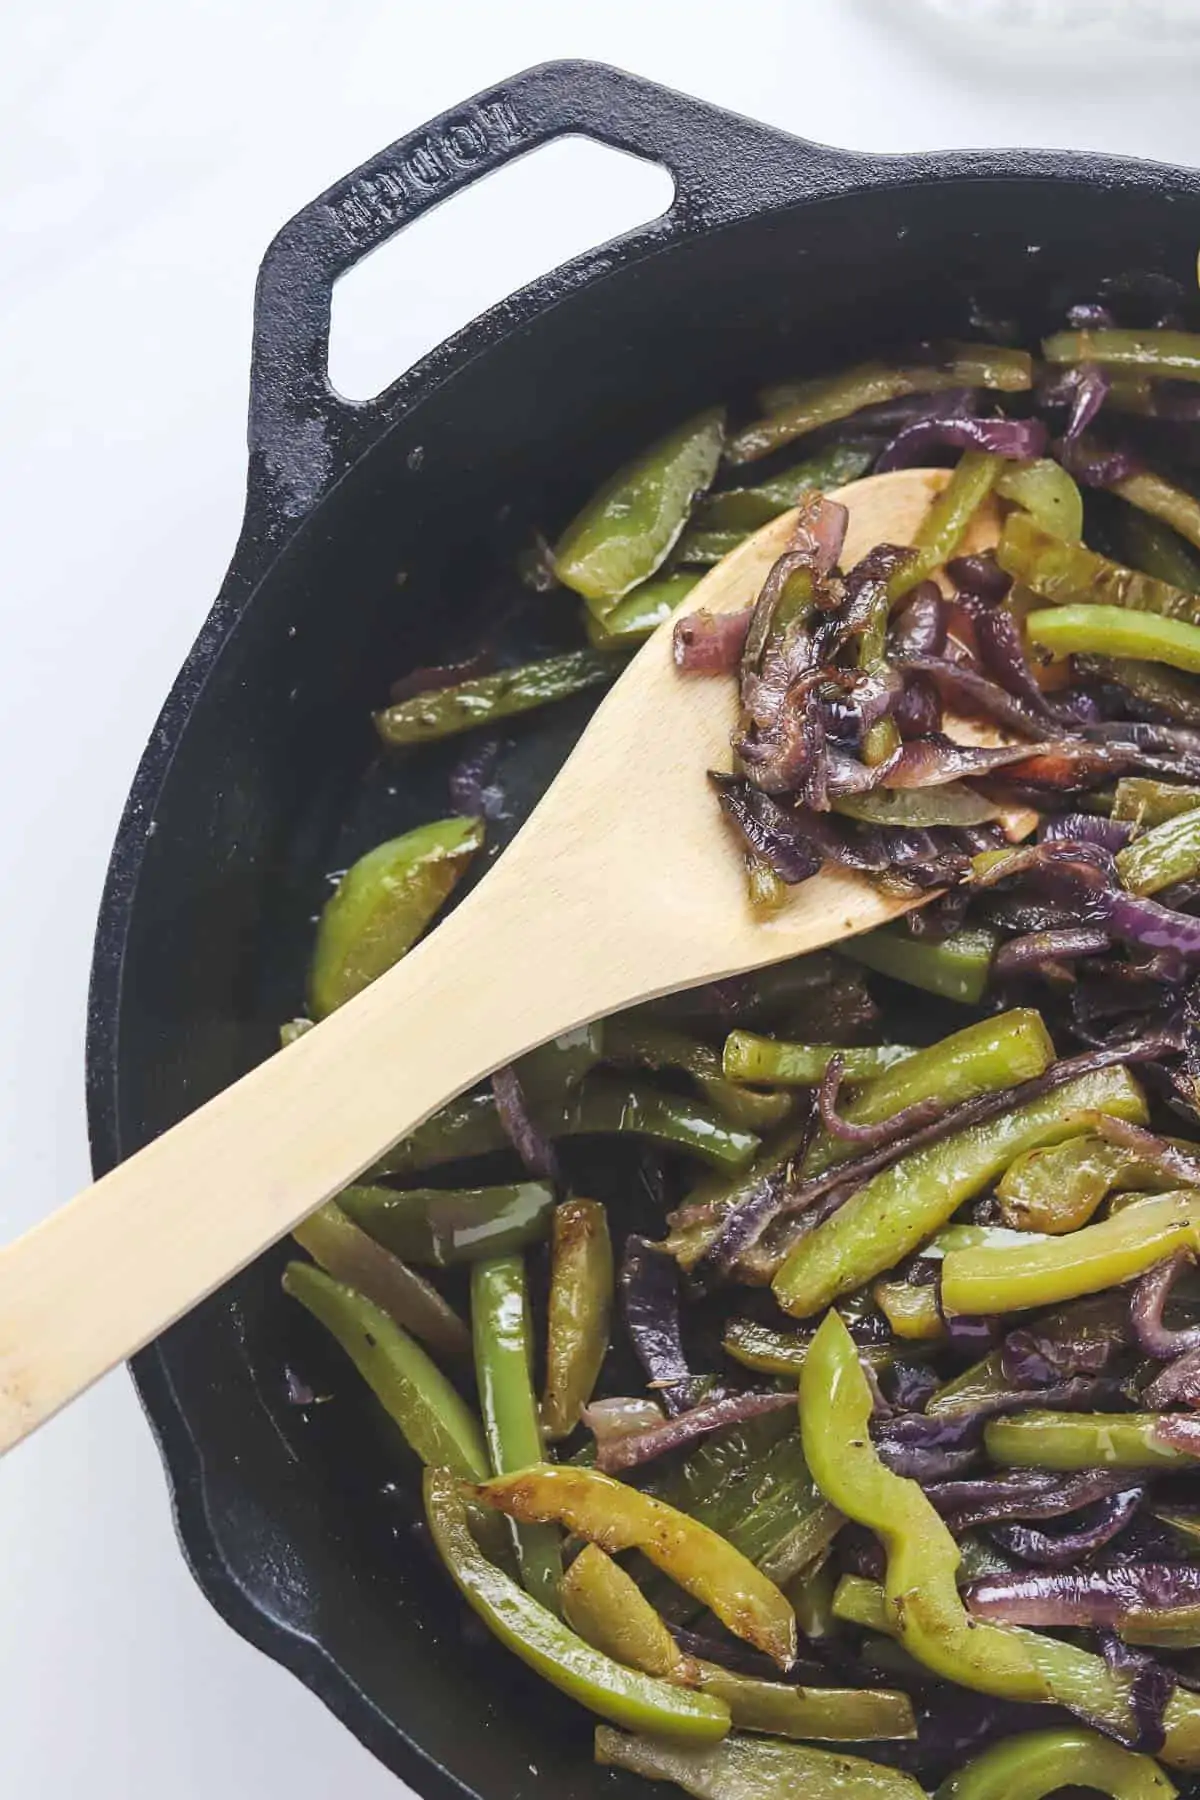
<point x="625" y="883"/>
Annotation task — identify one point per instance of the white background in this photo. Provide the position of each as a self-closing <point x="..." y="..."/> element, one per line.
<point x="147" y="153"/>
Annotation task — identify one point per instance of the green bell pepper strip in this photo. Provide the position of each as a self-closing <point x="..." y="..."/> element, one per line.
<point x="1165" y="1627"/>
<point x="1157" y="550"/>
<point x="1112" y="631"/>
<point x="1070" y="574"/>
<point x="1038" y="1763"/>
<point x="435" y="1420"/>
<point x="548" y="1646"/>
<point x="756" y="1491"/>
<point x="1052" y="1440"/>
<point x="811" y="1596"/>
<point x="382" y="905"/>
<point x="1045" y="491"/>
<point x="1174" y="506"/>
<point x="443" y="712"/>
<point x="1162" y="355"/>
<point x="796" y="408"/>
<point x="896" y="1211"/>
<point x="860" y="1602"/>
<point x="761" y="1347"/>
<point x="445" y="1226"/>
<point x="1165" y="854"/>
<point x="628" y="529"/>
<point x="765" y="890"/>
<point x="1143" y="802"/>
<point x="950" y="804"/>
<point x="1057" y="1189"/>
<point x="912" y="1312"/>
<point x="503" y="1332"/>
<point x="744" y="509"/>
<point x="632" y="620"/>
<point x="922" y="1557"/>
<point x="346" y="1252"/>
<point x="957" y="968"/>
<point x="962" y="1393"/>
<point x="777" y="1063"/>
<point x="938" y="535"/>
<point x="1175" y="695"/>
<point x="700" y="549"/>
<point x="837" y="1715"/>
<point x="1187" y="1524"/>
<point x="993" y="1053"/>
<point x="755" y="1769"/>
<point x="608" y="1609"/>
<point x="577" y="1314"/>
<point x="1012" y="1278"/>
<point x="618" y="1517"/>
<point x="639" y="1042"/>
<point x="925" y="1608"/>
<point x="471" y="1126"/>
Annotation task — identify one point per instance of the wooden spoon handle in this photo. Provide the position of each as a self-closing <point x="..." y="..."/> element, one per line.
<point x="98" y="1279"/>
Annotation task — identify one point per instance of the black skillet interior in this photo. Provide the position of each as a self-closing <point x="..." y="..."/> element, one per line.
<point x="376" y="538"/>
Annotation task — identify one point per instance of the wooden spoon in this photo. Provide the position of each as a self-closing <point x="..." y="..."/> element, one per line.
<point x="625" y="883"/>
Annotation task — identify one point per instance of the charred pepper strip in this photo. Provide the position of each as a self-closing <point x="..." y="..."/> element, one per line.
<point x="957" y="968"/>
<point x="836" y="1405"/>
<point x="446" y="1226"/>
<point x="775" y="1063"/>
<point x="548" y="1646"/>
<point x="1038" y="1763"/>
<point x="617" y="1517"/>
<point x="797" y="408"/>
<point x="1057" y="1190"/>
<point x="902" y="1206"/>
<point x="627" y="530"/>
<point x="503" y="1333"/>
<point x="443" y="712"/>
<point x="1050" y="1440"/>
<point x="631" y="621"/>
<point x="1161" y="355"/>
<point x="1163" y="855"/>
<point x="581" y="1293"/>
<point x="382" y="905"/>
<point x="609" y="1610"/>
<point x="1010" y="1278"/>
<point x="1070" y="574"/>
<point x="334" y="1241"/>
<point x="755" y="1769"/>
<point x="938" y="535"/>
<point x="1163" y="500"/>
<point x="1112" y="631"/>
<point x="436" y="1421"/>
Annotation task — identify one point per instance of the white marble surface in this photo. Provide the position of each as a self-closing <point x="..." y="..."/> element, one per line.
<point x="147" y="152"/>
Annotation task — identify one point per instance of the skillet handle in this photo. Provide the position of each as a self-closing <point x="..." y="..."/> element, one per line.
<point x="303" y="435"/>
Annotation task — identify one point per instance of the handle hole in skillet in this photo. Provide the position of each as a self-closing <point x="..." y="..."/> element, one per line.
<point x="451" y="264"/>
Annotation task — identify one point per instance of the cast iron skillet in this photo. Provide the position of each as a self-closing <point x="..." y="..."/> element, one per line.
<point x="777" y="256"/>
